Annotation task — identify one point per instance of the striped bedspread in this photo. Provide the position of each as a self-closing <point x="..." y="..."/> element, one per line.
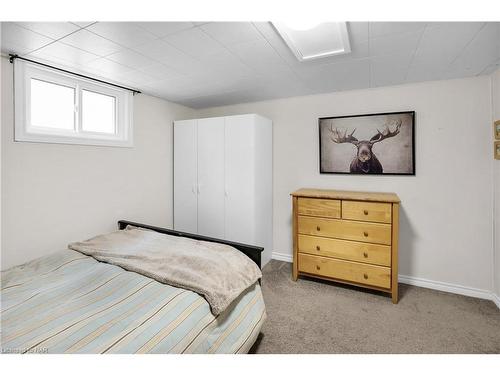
<point x="71" y="303"/>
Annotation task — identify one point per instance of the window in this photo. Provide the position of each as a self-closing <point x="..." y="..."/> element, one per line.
<point x="56" y="107"/>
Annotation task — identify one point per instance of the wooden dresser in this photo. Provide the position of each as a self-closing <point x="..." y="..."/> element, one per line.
<point x="346" y="236"/>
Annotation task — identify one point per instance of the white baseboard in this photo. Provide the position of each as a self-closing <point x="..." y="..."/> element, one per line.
<point x="446" y="287"/>
<point x="283" y="257"/>
<point x="495" y="299"/>
<point x="425" y="283"/>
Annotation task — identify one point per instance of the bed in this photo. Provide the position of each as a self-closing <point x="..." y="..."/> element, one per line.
<point x="69" y="302"/>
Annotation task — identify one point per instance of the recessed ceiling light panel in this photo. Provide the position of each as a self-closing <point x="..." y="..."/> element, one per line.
<point x="315" y="40"/>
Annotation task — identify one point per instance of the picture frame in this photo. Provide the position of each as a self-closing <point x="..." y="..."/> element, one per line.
<point x="368" y="144"/>
<point x="496" y="129"/>
<point x="496" y="150"/>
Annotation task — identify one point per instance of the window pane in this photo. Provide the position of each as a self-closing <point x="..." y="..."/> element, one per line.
<point x="52" y="105"/>
<point x="98" y="112"/>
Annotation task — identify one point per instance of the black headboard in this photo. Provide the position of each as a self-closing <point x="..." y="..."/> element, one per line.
<point x="253" y="252"/>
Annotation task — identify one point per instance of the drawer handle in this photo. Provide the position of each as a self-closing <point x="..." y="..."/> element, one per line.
<point x="318" y="248"/>
<point x="318" y="228"/>
<point x="365" y="234"/>
<point x="365" y="212"/>
<point x="318" y="268"/>
<point x="365" y="276"/>
<point x="365" y="254"/>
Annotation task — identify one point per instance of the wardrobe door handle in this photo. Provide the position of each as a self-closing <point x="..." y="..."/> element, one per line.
<point x="365" y="212"/>
<point x="318" y="248"/>
<point x="365" y="234"/>
<point x="318" y="228"/>
<point x="365" y="254"/>
<point x="318" y="268"/>
<point x="365" y="276"/>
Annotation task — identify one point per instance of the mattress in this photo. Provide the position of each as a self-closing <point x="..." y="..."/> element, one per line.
<point x="71" y="303"/>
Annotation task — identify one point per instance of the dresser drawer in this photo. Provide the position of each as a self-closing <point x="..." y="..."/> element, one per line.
<point x="319" y="207"/>
<point x="343" y="249"/>
<point x="344" y="229"/>
<point x="345" y="270"/>
<point x="366" y="211"/>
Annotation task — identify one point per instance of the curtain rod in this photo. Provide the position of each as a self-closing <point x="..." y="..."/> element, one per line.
<point x="13" y="57"/>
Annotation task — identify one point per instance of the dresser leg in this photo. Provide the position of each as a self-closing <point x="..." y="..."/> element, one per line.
<point x="294" y="274"/>
<point x="394" y="294"/>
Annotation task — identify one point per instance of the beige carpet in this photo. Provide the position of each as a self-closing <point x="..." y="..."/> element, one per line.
<point x="320" y="317"/>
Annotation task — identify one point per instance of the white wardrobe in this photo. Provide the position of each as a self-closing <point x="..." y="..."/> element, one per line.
<point x="223" y="179"/>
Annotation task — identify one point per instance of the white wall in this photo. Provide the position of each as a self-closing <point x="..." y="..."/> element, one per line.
<point x="495" y="85"/>
<point x="446" y="231"/>
<point x="54" y="194"/>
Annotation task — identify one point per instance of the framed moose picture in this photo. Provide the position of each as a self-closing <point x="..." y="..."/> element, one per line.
<point x="374" y="144"/>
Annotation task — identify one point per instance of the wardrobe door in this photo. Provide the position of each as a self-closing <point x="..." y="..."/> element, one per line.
<point x="240" y="171"/>
<point x="185" y="176"/>
<point x="211" y="177"/>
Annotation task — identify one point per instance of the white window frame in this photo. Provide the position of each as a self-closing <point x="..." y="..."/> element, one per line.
<point x="23" y="131"/>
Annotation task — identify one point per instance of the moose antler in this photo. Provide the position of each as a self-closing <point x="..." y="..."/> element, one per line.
<point x="386" y="133"/>
<point x="339" y="137"/>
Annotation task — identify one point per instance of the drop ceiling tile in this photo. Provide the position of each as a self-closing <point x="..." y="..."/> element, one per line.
<point x="160" y="71"/>
<point x="379" y="29"/>
<point x="346" y="75"/>
<point x="481" y="52"/>
<point x="240" y="83"/>
<point x="53" y="30"/>
<point x="395" y="43"/>
<point x="229" y="98"/>
<point x="194" y="42"/>
<point x="431" y="25"/>
<point x="389" y="70"/>
<point x="185" y="64"/>
<point x="109" y="67"/>
<point x="443" y="43"/>
<point x="227" y="63"/>
<point x="210" y="84"/>
<point x="284" y="84"/>
<point x="136" y="78"/>
<point x="185" y="87"/>
<point x="125" y="33"/>
<point x="130" y="58"/>
<point x="16" y="39"/>
<point x="162" y="29"/>
<point x="424" y="71"/>
<point x="174" y="84"/>
<point x="157" y="49"/>
<point x="69" y="54"/>
<point x="161" y="51"/>
<point x="228" y="33"/>
<point x="83" y="24"/>
<point x="274" y="92"/>
<point x="162" y="90"/>
<point x="91" y="42"/>
<point x="259" y="55"/>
